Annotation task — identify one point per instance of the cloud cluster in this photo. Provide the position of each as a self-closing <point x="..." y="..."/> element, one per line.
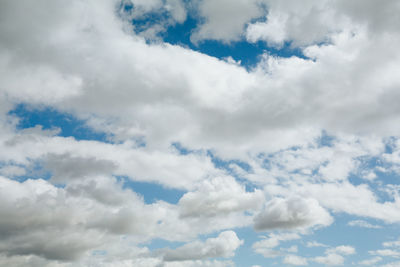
<point x="297" y="129"/>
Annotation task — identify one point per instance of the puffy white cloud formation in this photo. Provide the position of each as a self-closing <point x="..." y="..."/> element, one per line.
<point x="330" y="259"/>
<point x="335" y="256"/>
<point x="295" y="260"/>
<point x="291" y="213"/>
<point x="225" y="20"/>
<point x="87" y="59"/>
<point x="267" y="246"/>
<point x="219" y="197"/>
<point x="371" y="261"/>
<point x="222" y="246"/>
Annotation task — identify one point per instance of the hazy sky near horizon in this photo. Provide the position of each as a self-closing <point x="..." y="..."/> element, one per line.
<point x="168" y="133"/>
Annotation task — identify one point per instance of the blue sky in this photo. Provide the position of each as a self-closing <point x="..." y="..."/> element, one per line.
<point x="199" y="133"/>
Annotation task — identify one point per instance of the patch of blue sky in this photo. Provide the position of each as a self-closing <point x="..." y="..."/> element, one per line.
<point x="325" y="140"/>
<point x="336" y="235"/>
<point x="361" y="238"/>
<point x="390" y="144"/>
<point x="245" y="254"/>
<point x="159" y="244"/>
<point x="383" y="171"/>
<point x="227" y="164"/>
<point x="99" y="252"/>
<point x="149" y="20"/>
<point x="249" y="54"/>
<point x="152" y="192"/>
<point x="50" y="118"/>
<point x="184" y="150"/>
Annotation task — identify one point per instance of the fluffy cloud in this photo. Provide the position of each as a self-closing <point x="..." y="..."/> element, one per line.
<point x="371" y="261"/>
<point x="85" y="58"/>
<point x="343" y="250"/>
<point x="361" y="223"/>
<point x="267" y="246"/>
<point x="295" y="260"/>
<point x="222" y="246"/>
<point x="330" y="259"/>
<point x="225" y="20"/>
<point x="334" y="256"/>
<point x="218" y="197"/>
<point x="73" y="221"/>
<point x="291" y="213"/>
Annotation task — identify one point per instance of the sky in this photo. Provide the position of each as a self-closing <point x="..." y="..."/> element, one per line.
<point x="169" y="133"/>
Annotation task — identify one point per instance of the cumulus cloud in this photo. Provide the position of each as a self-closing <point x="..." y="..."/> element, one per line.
<point x="218" y="197"/>
<point x="65" y="167"/>
<point x="225" y="20"/>
<point x="267" y="246"/>
<point x="335" y="255"/>
<point x="295" y="260"/>
<point x="87" y="59"/>
<point x="292" y="213"/>
<point x="222" y="246"/>
<point x="343" y="250"/>
<point x="330" y="259"/>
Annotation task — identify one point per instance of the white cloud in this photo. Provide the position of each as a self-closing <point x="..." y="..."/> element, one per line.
<point x="364" y="224"/>
<point x="266" y="247"/>
<point x="371" y="261"/>
<point x="345" y="197"/>
<point x="330" y="259"/>
<point x="392" y="243"/>
<point x="334" y="256"/>
<point x="83" y="58"/>
<point x="391" y="264"/>
<point x="222" y="246"/>
<point x="292" y="213"/>
<point x="224" y="19"/>
<point x="342" y="250"/>
<point x="295" y="260"/>
<point x="314" y="244"/>
<point x="219" y="196"/>
<point x="385" y="253"/>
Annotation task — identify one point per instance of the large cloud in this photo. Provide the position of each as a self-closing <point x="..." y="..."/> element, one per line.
<point x="85" y="58"/>
<point x="291" y="213"/>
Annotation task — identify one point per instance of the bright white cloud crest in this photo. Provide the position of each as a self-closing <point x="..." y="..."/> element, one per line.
<point x="282" y="146"/>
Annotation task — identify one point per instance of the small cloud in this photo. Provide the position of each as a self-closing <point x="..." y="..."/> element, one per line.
<point x="343" y="250"/>
<point x="295" y="260"/>
<point x="392" y="244"/>
<point x="371" y="261"/>
<point x="364" y="224"/>
<point x="313" y="244"/>
<point x="330" y="259"/>
<point x="386" y="253"/>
